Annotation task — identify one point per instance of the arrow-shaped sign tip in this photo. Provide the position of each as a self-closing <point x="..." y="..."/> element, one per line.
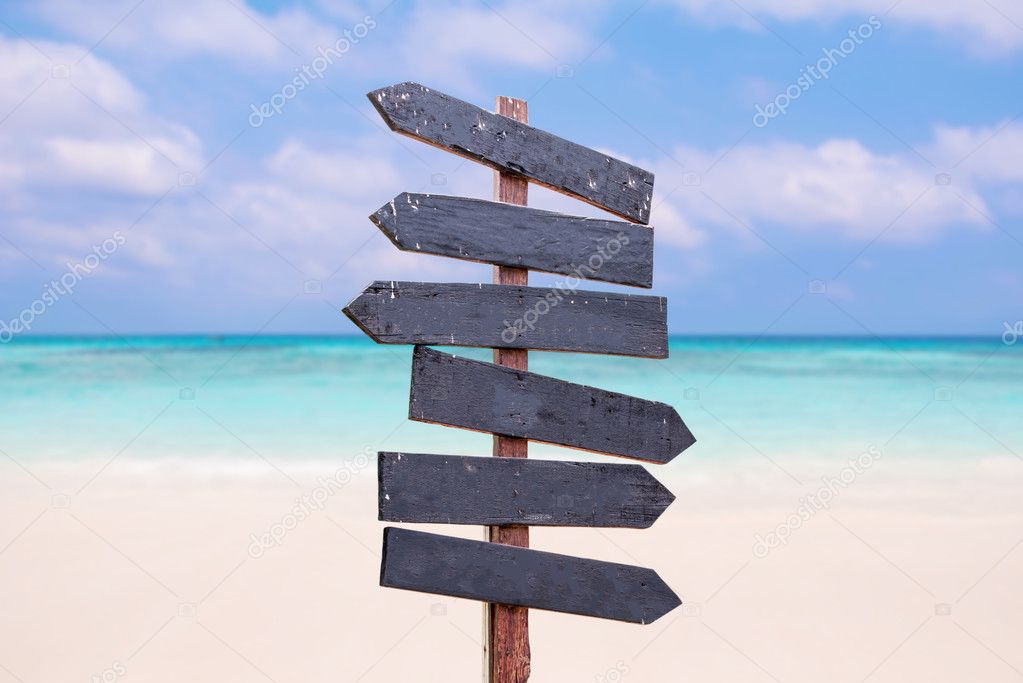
<point x="656" y="598"/>
<point x="386" y="99"/>
<point x="673" y="436"/>
<point x="386" y="218"/>
<point x="359" y="312"/>
<point x="658" y="497"/>
<point x="677" y="435"/>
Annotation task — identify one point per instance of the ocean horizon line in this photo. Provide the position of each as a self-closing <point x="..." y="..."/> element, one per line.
<point x="716" y="336"/>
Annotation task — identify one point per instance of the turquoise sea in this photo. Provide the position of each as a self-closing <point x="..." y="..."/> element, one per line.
<point x="308" y="398"/>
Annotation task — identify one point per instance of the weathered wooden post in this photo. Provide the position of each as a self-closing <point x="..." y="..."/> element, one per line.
<point x="506" y="627"/>
<point x="508" y="493"/>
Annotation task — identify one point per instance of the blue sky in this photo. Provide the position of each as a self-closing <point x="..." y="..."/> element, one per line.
<point x="887" y="199"/>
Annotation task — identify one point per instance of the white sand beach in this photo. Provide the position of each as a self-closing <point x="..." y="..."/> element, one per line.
<point x="148" y="573"/>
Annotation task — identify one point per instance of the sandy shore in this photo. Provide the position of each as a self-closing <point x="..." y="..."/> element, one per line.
<point x="156" y="572"/>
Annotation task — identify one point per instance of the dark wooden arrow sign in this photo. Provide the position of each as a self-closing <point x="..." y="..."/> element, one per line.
<point x="489" y="398"/>
<point x="510" y="317"/>
<point x="493" y="572"/>
<point x="516" y="236"/>
<point x="452" y="489"/>
<point x="512" y="147"/>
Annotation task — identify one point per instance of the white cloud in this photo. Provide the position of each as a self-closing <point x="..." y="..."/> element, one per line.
<point x="991" y="153"/>
<point x="673" y="227"/>
<point x="445" y="42"/>
<point x="983" y="27"/>
<point x="173" y="29"/>
<point x="83" y="124"/>
<point x="842" y="187"/>
<point x="343" y="172"/>
<point x="117" y="164"/>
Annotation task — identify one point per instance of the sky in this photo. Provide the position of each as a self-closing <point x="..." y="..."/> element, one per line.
<point x="826" y="167"/>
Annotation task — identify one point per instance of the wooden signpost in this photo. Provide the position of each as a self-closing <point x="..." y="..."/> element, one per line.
<point x="488" y="398"/>
<point x="457" y="489"/>
<point x="510" y="317"/>
<point x="510" y="146"/>
<point x="509" y="493"/>
<point x="518" y="237"/>
<point x="518" y="576"/>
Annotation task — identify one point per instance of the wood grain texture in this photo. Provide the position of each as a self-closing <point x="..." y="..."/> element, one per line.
<point x="452" y="489"/>
<point x="484" y="397"/>
<point x="516" y="148"/>
<point x="492" y="572"/>
<point x="459" y="314"/>
<point x="520" y="237"/>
